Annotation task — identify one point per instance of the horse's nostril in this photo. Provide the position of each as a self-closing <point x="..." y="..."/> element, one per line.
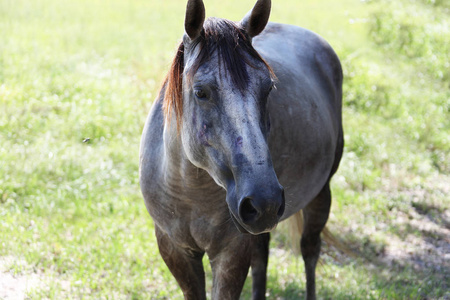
<point x="247" y="211"/>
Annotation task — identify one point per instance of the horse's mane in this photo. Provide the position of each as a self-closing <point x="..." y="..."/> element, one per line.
<point x="234" y="49"/>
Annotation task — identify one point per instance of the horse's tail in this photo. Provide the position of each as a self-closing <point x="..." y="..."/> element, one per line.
<point x="295" y="232"/>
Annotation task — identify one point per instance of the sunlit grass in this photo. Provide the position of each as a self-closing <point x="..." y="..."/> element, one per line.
<point x="77" y="79"/>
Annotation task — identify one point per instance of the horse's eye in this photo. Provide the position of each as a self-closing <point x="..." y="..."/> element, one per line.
<point x="199" y="93"/>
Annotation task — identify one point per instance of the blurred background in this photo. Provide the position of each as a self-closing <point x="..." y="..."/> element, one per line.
<point x="77" y="79"/>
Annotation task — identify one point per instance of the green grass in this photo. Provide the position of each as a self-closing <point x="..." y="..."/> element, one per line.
<point x="71" y="209"/>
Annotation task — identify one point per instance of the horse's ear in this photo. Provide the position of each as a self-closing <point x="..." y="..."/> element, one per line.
<point x="256" y="20"/>
<point x="195" y="16"/>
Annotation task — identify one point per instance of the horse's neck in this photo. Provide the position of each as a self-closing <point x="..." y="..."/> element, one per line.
<point x="179" y="172"/>
<point x="190" y="197"/>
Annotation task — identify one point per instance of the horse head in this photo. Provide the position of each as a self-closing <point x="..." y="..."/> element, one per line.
<point x="219" y="90"/>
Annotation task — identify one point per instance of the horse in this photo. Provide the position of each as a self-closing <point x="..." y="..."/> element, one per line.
<point x="246" y="132"/>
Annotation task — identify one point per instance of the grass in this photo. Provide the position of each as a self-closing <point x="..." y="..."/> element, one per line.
<point x="77" y="80"/>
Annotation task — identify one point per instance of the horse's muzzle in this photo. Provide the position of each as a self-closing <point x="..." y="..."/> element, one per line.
<point x="259" y="213"/>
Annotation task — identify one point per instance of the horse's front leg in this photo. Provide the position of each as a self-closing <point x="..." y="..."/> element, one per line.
<point x="230" y="268"/>
<point x="186" y="266"/>
<point x="260" y="259"/>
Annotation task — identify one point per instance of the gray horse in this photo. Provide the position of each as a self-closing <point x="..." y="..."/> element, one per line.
<point x="246" y="132"/>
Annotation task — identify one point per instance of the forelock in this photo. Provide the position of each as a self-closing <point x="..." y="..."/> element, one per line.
<point x="233" y="47"/>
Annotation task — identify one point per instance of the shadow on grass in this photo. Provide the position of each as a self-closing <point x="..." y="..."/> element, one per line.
<point x="432" y="213"/>
<point x="290" y="291"/>
<point x="410" y="261"/>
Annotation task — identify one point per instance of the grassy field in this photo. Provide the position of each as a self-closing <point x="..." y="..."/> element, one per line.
<point x="77" y="79"/>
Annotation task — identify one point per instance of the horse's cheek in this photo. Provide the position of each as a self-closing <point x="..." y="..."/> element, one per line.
<point x="202" y="135"/>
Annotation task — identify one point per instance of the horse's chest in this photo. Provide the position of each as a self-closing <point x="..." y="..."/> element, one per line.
<point x="195" y="222"/>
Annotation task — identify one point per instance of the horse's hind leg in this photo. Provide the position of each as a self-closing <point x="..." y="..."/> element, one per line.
<point x="260" y="258"/>
<point x="186" y="266"/>
<point x="315" y="216"/>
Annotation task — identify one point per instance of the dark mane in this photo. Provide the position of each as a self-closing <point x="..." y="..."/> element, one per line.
<point x="234" y="49"/>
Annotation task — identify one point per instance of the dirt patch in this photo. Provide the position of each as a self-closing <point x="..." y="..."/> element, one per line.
<point x="424" y="244"/>
<point x="16" y="286"/>
<point x="422" y="232"/>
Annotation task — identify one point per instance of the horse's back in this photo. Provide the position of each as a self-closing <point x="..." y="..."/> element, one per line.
<point x="305" y="110"/>
<point x="300" y="55"/>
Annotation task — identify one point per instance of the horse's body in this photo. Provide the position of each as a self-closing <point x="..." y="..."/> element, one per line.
<point x="211" y="175"/>
<point x="305" y="110"/>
